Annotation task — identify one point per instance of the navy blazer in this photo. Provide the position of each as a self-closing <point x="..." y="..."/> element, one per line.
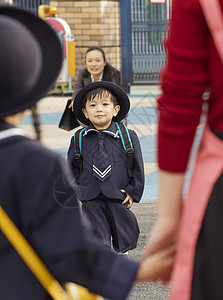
<point x="90" y="186"/>
<point x="34" y="183"/>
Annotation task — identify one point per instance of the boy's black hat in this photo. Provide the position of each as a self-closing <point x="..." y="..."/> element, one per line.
<point x="119" y="93"/>
<point x="30" y="59"/>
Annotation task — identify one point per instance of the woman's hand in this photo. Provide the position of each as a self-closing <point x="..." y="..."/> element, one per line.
<point x="167" y="225"/>
<point x="157" y="265"/>
<point x="163" y="237"/>
<point x="127" y="199"/>
<point x="164" y="234"/>
<point x="71" y="105"/>
<point x="165" y="231"/>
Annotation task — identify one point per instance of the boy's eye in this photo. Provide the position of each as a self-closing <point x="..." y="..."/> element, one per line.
<point x="92" y="105"/>
<point x="105" y="104"/>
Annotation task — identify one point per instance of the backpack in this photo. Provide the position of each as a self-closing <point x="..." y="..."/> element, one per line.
<point x="213" y="16"/>
<point x="125" y="140"/>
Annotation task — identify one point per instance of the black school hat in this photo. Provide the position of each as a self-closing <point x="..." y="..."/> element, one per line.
<point x="30" y="59"/>
<point x="119" y="93"/>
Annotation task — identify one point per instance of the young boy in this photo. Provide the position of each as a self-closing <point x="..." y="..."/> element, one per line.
<point x="106" y="189"/>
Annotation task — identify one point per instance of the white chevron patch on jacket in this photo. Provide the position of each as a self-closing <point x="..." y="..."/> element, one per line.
<point x="100" y="173"/>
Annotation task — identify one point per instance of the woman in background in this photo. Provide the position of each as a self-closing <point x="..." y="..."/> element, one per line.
<point x="97" y="69"/>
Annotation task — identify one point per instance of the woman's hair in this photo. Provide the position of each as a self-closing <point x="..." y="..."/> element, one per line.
<point x="98" y="92"/>
<point x="36" y="122"/>
<point x="95" y="48"/>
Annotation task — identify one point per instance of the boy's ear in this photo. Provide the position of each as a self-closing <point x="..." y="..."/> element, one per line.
<point x="85" y="113"/>
<point x="117" y="109"/>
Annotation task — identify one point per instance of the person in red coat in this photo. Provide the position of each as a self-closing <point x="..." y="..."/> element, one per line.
<point x="193" y="66"/>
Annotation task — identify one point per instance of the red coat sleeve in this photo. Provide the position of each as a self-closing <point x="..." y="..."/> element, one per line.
<point x="183" y="82"/>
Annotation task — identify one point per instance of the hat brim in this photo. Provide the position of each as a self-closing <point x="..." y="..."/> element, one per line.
<point x="118" y="92"/>
<point x="51" y="57"/>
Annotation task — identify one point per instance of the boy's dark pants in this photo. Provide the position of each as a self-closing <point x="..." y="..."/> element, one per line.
<point x="111" y="220"/>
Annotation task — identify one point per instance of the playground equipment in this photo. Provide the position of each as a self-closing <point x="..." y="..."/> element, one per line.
<point x="63" y="83"/>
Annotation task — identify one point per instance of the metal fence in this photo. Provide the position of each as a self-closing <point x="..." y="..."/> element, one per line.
<point x="148" y="29"/>
<point x="30" y="5"/>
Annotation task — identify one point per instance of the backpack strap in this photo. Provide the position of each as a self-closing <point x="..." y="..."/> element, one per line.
<point x="214" y="18"/>
<point x="127" y="145"/>
<point x="78" y="148"/>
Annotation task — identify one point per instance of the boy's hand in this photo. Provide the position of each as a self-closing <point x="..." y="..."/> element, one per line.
<point x="127" y="199"/>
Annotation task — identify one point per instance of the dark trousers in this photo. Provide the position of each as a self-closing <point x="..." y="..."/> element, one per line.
<point x="208" y="264"/>
<point x="112" y="223"/>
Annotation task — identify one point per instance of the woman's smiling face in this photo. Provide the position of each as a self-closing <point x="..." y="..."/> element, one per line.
<point x="95" y="62"/>
<point x="100" y="110"/>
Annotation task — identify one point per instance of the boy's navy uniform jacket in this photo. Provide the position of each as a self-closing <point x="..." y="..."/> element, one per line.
<point x="34" y="182"/>
<point x="117" y="177"/>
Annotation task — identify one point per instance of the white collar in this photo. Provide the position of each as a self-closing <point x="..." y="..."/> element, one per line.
<point x="111" y="130"/>
<point x="100" y="79"/>
<point x="11" y="132"/>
